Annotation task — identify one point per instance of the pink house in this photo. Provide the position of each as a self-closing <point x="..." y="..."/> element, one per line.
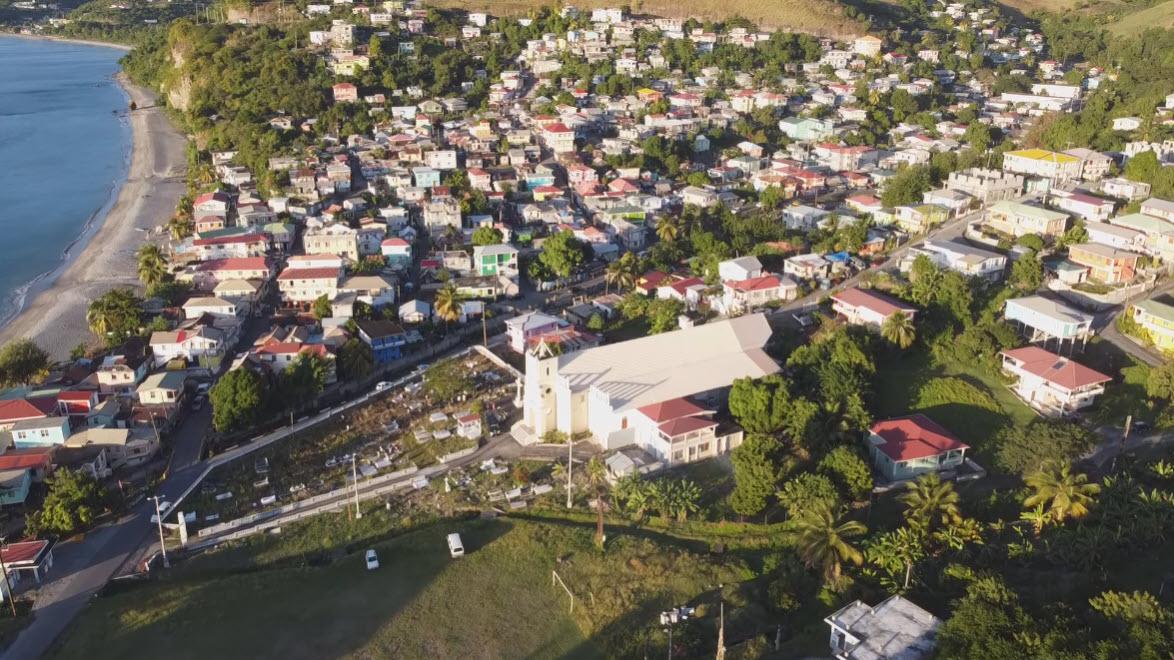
<point x="345" y="93"/>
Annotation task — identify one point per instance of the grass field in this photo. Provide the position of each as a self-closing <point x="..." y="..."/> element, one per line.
<point x="969" y="401"/>
<point x="1158" y="16"/>
<point x="297" y="597"/>
<point x="823" y="17"/>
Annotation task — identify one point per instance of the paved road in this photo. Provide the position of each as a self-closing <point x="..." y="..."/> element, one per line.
<point x="947" y="231"/>
<point x="82" y="567"/>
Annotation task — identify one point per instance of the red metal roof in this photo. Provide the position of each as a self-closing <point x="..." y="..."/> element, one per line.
<point x="913" y="437"/>
<point x="1056" y="369"/>
<point x="877" y="302"/>
<point x="308" y="273"/>
<point x="756" y="283"/>
<point x="18" y="409"/>
<point x="23" y="459"/>
<point x="234" y="263"/>
<point x="675" y="427"/>
<point x="25" y="552"/>
<point x="671" y="409"/>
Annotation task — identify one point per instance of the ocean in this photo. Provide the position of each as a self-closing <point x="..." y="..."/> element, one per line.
<point x="65" y="146"/>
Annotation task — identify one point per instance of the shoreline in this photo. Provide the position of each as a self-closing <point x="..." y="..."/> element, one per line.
<point x="69" y="40"/>
<point x="54" y="310"/>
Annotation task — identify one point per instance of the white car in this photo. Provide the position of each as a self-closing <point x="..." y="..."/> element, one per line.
<point x="382" y="385"/>
<point x="372" y="560"/>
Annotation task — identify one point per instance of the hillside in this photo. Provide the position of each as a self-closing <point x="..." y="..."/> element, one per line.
<point x="1158" y="16"/>
<point x="822" y="17"/>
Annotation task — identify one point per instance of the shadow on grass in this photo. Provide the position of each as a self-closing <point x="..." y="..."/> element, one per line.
<point x="287" y="609"/>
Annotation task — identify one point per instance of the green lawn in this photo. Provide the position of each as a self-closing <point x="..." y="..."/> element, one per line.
<point x="969" y="401"/>
<point x="295" y="596"/>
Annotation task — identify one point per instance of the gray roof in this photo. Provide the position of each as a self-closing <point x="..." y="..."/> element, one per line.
<point x="897" y="629"/>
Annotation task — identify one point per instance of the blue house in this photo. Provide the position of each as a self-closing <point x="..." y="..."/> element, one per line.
<point x="14" y="486"/>
<point x="42" y="432"/>
<point x="426" y="177"/>
<point x="386" y="339"/>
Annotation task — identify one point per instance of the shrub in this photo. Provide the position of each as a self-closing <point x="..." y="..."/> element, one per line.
<point x="807" y="491"/>
<point x="849" y="471"/>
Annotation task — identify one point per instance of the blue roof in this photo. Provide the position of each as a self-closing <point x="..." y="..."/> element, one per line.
<point x="840" y="257"/>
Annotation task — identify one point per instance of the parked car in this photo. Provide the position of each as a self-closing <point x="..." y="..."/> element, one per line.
<point x="455" y="547"/>
<point x="372" y="560"/>
<point x="382" y="385"/>
<point x="198" y="403"/>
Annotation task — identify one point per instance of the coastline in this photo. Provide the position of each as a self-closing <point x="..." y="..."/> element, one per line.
<point x="69" y="40"/>
<point x="103" y="255"/>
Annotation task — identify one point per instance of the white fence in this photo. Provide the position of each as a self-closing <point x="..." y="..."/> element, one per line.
<point x="457" y="454"/>
<point x="310" y="502"/>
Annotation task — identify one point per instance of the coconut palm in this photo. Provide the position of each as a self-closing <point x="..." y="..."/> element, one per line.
<point x="667" y="230"/>
<point x="448" y="304"/>
<point x="115" y="315"/>
<point x="899" y="330"/>
<point x="597" y="481"/>
<point x="1063" y="493"/>
<point x="179" y="227"/>
<point x="621" y="272"/>
<point x="152" y="264"/>
<point x="822" y="541"/>
<point x="929" y="499"/>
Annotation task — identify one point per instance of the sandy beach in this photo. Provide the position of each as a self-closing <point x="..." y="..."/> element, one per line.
<point x="55" y="314"/>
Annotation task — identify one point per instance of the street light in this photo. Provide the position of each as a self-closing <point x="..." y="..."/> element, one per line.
<point x="159" y="521"/>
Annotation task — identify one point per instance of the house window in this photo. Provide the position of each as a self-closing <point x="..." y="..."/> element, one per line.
<point x="703" y="447"/>
<point x="678" y="455"/>
<point x="44" y="433"/>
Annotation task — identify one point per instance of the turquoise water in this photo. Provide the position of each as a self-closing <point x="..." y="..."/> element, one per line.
<point x="64" y="152"/>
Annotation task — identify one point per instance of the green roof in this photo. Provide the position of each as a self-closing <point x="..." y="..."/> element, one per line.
<point x="1026" y="210"/>
<point x="1164" y="311"/>
<point x="1146" y="224"/>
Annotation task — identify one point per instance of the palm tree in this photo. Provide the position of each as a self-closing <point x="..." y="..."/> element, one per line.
<point x="929" y="497"/>
<point x="621" y="272"/>
<point x="822" y="542"/>
<point x="152" y="264"/>
<point x="899" y="330"/>
<point x="448" y="304"/>
<point x="179" y="227"/>
<point x="597" y="481"/>
<point x="1063" y="493"/>
<point x="667" y="230"/>
<point x="1038" y="517"/>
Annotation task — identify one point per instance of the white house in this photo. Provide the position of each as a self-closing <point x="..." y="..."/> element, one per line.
<point x="742" y="268"/>
<point x="520" y="330"/>
<point x="190" y="345"/>
<point x="866" y="307"/>
<point x="599" y="390"/>
<point x="1053" y="385"/>
<point x="198" y="306"/>
<point x="963" y="258"/>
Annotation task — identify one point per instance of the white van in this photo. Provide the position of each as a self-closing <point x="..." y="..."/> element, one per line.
<point x="455" y="548"/>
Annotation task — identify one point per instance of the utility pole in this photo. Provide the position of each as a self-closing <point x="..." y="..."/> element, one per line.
<point x="570" y="463"/>
<point x="355" y="478"/>
<point x="8" y="585"/>
<point x="1121" y="447"/>
<point x="159" y="521"/>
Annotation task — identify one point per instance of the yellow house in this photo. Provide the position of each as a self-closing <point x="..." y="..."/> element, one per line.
<point x="1158" y="320"/>
<point x="1042" y="163"/>
<point x="1020" y="219"/>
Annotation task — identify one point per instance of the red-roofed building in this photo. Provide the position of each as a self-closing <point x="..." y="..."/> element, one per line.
<point x="25" y="558"/>
<point x="280" y="355"/>
<point x="38" y="460"/>
<point x="680" y="431"/>
<point x="907" y="447"/>
<point x="1052" y="384"/>
<point x="866" y="307"/>
<point x="19" y="410"/>
<point x="558" y="137"/>
<point x="744" y="295"/>
<point x="305" y="285"/>
<point x="345" y="93"/>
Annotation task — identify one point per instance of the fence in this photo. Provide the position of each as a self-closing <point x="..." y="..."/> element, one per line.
<point x="295" y="507"/>
<point x="457" y="454"/>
